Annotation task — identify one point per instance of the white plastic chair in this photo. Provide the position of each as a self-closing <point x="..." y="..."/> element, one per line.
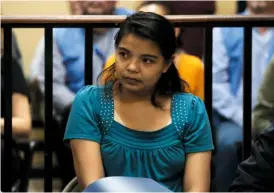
<point x="73" y="186"/>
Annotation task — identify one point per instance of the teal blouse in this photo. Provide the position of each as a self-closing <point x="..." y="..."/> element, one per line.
<point x="159" y="155"/>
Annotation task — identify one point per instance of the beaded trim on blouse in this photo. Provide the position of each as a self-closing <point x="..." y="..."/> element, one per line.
<point x="179" y="111"/>
<point x="106" y="112"/>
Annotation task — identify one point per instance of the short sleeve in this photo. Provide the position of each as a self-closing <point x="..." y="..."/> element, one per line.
<point x="198" y="137"/>
<point x="82" y="122"/>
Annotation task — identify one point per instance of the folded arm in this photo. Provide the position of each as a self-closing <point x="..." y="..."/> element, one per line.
<point x="62" y="95"/>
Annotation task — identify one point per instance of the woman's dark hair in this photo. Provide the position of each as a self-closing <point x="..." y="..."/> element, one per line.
<point x="158" y="29"/>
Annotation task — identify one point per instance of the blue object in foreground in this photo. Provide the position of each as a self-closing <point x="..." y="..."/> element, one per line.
<point x="125" y="184"/>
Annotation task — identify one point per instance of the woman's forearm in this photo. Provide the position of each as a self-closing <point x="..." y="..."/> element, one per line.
<point x="197" y="189"/>
<point x="20" y="126"/>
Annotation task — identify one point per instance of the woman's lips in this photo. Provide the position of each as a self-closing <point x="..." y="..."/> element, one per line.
<point x="131" y="80"/>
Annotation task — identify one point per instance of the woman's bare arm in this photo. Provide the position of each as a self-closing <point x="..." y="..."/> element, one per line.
<point x="87" y="161"/>
<point x="197" y="172"/>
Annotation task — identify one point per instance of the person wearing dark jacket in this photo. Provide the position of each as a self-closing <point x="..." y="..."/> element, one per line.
<point x="256" y="174"/>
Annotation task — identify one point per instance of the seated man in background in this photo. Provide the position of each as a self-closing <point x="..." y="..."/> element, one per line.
<point x="69" y="68"/>
<point x="256" y="174"/>
<point x="228" y="84"/>
<point x="69" y="54"/>
<point x="21" y="116"/>
<point x="190" y="68"/>
<point x="263" y="113"/>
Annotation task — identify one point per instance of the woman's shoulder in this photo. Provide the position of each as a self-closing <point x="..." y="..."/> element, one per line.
<point x="185" y="96"/>
<point x="92" y="91"/>
<point x="188" y="100"/>
<point x="87" y="90"/>
<point x="188" y="110"/>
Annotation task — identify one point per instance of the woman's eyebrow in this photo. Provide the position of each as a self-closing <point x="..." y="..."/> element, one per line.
<point x="150" y="56"/>
<point x="143" y="55"/>
<point x="123" y="49"/>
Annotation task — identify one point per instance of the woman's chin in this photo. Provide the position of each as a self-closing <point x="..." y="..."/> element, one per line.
<point x="132" y="87"/>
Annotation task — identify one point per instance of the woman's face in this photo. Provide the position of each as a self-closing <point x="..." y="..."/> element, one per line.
<point x="139" y="63"/>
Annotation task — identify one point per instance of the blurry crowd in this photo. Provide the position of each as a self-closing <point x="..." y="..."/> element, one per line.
<point x="228" y="42"/>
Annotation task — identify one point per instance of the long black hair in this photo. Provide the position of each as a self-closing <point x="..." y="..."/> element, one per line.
<point x="158" y="29"/>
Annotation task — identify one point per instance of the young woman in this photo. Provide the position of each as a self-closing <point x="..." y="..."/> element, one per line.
<point x="189" y="67"/>
<point x="142" y="124"/>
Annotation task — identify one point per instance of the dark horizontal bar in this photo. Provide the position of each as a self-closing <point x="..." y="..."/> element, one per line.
<point x="62" y="25"/>
<point x="176" y="24"/>
<point x="227" y="24"/>
<point x="247" y="92"/>
<point x="118" y="19"/>
<point x="114" y="21"/>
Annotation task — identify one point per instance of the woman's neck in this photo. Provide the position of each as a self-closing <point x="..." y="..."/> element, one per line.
<point x="127" y="96"/>
<point x="141" y="98"/>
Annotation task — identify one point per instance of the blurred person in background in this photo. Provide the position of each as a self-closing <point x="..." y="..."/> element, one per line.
<point x="75" y="7"/>
<point x="21" y="114"/>
<point x="241" y="6"/>
<point x="190" y="68"/>
<point x="228" y="87"/>
<point x="256" y="174"/>
<point x="263" y="112"/>
<point x="16" y="53"/>
<point x="21" y="117"/>
<point x="69" y="68"/>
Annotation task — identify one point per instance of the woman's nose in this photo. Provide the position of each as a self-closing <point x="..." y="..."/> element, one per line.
<point x="133" y="65"/>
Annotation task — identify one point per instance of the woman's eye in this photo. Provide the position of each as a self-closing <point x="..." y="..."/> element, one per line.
<point x="123" y="55"/>
<point x="148" y="61"/>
